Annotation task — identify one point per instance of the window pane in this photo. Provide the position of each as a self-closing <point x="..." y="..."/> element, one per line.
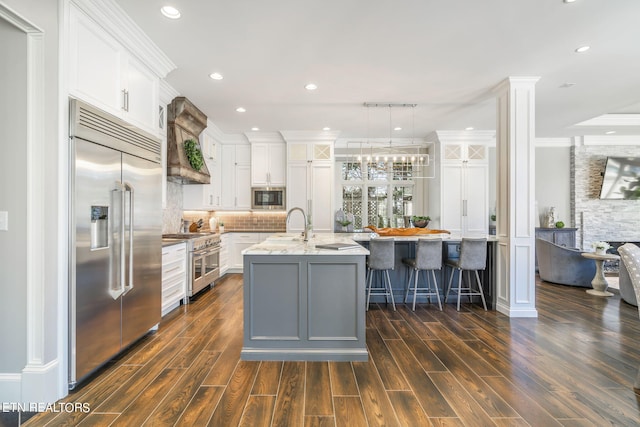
<point x="377" y="206"/>
<point x="377" y="171"/>
<point x="402" y="171"/>
<point x="352" y="171"/>
<point x="352" y="203"/>
<point x="402" y="204"/>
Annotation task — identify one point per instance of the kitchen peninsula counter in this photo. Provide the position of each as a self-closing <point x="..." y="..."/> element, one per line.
<point x="302" y="302"/>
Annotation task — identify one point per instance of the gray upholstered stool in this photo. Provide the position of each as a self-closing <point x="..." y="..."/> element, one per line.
<point x="473" y="257"/>
<point x="428" y="258"/>
<point x="381" y="260"/>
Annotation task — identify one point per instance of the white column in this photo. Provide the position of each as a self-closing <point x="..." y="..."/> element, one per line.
<point x="515" y="197"/>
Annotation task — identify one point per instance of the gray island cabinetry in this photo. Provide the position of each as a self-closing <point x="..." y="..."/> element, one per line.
<point x="302" y="302"/>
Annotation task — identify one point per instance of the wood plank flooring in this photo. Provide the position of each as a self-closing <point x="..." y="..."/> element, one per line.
<point x="572" y="366"/>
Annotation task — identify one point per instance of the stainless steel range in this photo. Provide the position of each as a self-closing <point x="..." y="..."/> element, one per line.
<point x="203" y="259"/>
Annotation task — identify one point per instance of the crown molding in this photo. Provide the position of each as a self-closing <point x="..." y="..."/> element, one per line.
<point x="554" y="142"/>
<point x="608" y="140"/>
<point x="610" y="120"/>
<point x="15" y="19"/>
<point x="167" y="92"/>
<point x="309" y="135"/>
<point x="112" y="18"/>
<point x="487" y="137"/>
<point x="269" y="137"/>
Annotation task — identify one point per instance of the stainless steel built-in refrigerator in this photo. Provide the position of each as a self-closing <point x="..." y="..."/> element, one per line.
<point x="116" y="237"/>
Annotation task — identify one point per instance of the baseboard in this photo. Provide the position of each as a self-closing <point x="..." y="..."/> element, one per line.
<point x="10" y="386"/>
<point x="516" y="312"/>
<point x="40" y="383"/>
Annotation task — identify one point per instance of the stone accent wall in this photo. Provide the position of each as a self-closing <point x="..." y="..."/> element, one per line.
<point x="596" y="219"/>
<point x="172" y="213"/>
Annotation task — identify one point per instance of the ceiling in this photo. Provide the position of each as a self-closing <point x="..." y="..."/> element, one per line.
<point x="443" y="56"/>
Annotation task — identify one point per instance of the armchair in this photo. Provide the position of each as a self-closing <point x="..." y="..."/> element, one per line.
<point x="562" y="265"/>
<point x="627" y="293"/>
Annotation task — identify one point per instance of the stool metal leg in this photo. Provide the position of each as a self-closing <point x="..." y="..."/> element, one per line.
<point x="406" y="294"/>
<point x="393" y="303"/>
<point x="435" y="285"/>
<point x="369" y="277"/>
<point x="484" y="304"/>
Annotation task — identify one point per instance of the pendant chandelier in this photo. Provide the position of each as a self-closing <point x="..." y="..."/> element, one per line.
<point x="410" y="155"/>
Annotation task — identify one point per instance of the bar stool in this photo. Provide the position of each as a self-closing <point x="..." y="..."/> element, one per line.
<point x="381" y="260"/>
<point x="428" y="258"/>
<point x="473" y="257"/>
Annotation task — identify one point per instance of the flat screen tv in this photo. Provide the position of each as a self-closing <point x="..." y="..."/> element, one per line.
<point x="621" y="179"/>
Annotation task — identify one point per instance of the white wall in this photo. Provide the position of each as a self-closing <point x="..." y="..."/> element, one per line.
<point x="553" y="182"/>
<point x="13" y="251"/>
<point x="30" y="365"/>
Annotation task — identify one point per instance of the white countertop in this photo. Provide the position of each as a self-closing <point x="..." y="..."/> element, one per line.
<point x="292" y="244"/>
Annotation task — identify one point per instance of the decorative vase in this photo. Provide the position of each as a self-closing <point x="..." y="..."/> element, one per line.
<point x="221" y="229"/>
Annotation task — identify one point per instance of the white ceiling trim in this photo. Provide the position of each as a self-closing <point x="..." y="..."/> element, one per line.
<point x="110" y="16"/>
<point x="629" y="119"/>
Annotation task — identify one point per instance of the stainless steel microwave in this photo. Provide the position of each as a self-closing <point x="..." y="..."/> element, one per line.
<point x="271" y="198"/>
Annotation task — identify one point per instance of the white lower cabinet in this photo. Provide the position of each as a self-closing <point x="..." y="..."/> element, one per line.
<point x="238" y="243"/>
<point x="174" y="276"/>
<point x="225" y="242"/>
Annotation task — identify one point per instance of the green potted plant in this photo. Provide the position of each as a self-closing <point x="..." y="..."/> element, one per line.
<point x="420" y="221"/>
<point x="194" y="155"/>
<point x="344" y="223"/>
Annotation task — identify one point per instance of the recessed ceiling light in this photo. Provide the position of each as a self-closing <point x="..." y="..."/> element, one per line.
<point x="255" y="128"/>
<point x="241" y="110"/>
<point x="216" y="76"/>
<point x="567" y="85"/>
<point x="610" y="132"/>
<point x="468" y="128"/>
<point x="326" y="128"/>
<point x="582" y="49"/>
<point x="170" y="12"/>
<point x="311" y="86"/>
<point x="397" y="128"/>
<point x="569" y="1"/>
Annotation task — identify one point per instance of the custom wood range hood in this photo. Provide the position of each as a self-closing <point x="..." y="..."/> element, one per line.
<point x="184" y="122"/>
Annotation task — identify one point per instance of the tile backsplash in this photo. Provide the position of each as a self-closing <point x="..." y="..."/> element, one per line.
<point x="241" y="221"/>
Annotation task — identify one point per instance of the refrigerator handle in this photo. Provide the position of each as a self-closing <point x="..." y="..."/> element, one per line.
<point x="118" y="290"/>
<point x="128" y="285"/>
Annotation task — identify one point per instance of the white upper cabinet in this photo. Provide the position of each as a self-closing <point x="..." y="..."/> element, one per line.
<point x="268" y="167"/>
<point x="459" y="194"/>
<point x="236" y="176"/>
<point x="103" y="73"/>
<point x="310" y="177"/>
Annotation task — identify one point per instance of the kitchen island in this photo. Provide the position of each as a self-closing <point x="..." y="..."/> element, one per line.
<point x="303" y="302"/>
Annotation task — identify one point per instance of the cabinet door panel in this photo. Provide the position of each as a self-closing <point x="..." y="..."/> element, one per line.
<point x="142" y="96"/>
<point x="95" y="66"/>
<point x="277" y="169"/>
<point x="321" y="197"/>
<point x="452" y="196"/>
<point x="297" y="188"/>
<point x="259" y="165"/>
<point x="243" y="186"/>
<point x="476" y="196"/>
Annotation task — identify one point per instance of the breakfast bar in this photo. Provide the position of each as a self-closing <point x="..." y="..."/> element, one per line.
<point x="306" y="302"/>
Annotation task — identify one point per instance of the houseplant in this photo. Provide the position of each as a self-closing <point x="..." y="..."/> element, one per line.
<point x="420" y="221"/>
<point x="344" y="223"/>
<point x="194" y="155"/>
<point x="601" y="247"/>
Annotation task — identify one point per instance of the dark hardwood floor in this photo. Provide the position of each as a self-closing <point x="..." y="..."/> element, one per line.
<point x="572" y="366"/>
